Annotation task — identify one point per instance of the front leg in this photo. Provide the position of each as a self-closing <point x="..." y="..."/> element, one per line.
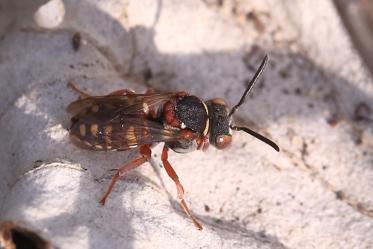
<point x="202" y="143"/>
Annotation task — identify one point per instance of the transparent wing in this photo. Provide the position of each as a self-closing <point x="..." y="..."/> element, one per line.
<point x="121" y="120"/>
<point x="127" y="104"/>
<point x="129" y="132"/>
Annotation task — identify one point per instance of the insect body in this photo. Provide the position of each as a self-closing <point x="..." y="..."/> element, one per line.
<point x="124" y="120"/>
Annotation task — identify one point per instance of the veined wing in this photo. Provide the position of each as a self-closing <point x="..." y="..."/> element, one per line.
<point x="118" y="122"/>
<point x="131" y="104"/>
<point x="121" y="133"/>
<point x="129" y="132"/>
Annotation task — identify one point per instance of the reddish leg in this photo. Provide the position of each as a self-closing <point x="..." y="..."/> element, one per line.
<point x="145" y="156"/>
<point x="82" y="93"/>
<point x="205" y="145"/>
<point x="202" y="143"/>
<point x="180" y="190"/>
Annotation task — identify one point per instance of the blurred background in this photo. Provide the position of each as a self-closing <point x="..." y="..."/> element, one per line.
<point x="357" y="16"/>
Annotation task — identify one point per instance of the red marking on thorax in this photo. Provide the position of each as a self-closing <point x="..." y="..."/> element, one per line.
<point x="169" y="112"/>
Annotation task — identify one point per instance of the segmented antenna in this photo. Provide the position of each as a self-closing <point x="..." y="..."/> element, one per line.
<point x="242" y="100"/>
<point x="250" y="86"/>
<point x="256" y="135"/>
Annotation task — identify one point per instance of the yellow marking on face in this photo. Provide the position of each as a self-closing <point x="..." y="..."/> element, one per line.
<point x="95" y="108"/>
<point x="82" y="130"/>
<point x="94" y="129"/>
<point x="207" y="126"/>
<point x="130" y="135"/>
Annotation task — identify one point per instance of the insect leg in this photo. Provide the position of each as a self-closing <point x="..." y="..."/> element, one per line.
<point x="180" y="190"/>
<point x="73" y="86"/>
<point x="145" y="156"/>
<point x="203" y="143"/>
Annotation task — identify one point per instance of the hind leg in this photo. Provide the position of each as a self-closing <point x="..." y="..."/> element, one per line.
<point x="145" y="156"/>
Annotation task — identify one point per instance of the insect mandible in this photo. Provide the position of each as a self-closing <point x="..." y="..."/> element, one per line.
<point x="124" y="120"/>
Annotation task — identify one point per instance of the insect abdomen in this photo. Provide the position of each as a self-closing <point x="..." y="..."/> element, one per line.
<point x="89" y="129"/>
<point x="91" y="135"/>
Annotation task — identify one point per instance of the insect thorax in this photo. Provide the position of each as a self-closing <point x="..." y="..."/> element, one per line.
<point x="192" y="113"/>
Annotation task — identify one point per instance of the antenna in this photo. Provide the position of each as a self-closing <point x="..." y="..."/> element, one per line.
<point x="242" y="100"/>
<point x="250" y="86"/>
<point x="256" y="135"/>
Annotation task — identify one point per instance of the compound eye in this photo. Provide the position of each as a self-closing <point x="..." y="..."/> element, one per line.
<point x="222" y="141"/>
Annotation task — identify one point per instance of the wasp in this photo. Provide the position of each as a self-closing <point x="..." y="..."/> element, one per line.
<point x="125" y="120"/>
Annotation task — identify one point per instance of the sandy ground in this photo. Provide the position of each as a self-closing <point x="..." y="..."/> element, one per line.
<point x="314" y="100"/>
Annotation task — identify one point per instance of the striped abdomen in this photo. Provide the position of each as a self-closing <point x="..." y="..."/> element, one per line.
<point x="98" y="128"/>
<point x="89" y="129"/>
